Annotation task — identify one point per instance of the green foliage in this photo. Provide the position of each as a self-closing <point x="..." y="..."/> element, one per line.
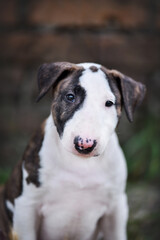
<point x="143" y="152"/>
<point x="146" y="229"/>
<point x="4" y="174"/>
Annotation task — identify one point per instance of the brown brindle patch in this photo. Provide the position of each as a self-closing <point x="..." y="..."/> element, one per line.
<point x="62" y="110"/>
<point x="94" y="68"/>
<point x="49" y="74"/>
<point x="115" y="89"/>
<point x="31" y="157"/>
<point x="132" y="92"/>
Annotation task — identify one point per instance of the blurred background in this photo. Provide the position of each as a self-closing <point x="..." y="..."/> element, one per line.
<point x="123" y="35"/>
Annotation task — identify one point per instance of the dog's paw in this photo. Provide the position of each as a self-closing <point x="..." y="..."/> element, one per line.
<point x="13" y="235"/>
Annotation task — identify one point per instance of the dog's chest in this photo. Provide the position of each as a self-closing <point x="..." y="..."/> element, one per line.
<point x="73" y="204"/>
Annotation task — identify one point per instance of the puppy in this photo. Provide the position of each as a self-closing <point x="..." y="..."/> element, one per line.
<point x="70" y="184"/>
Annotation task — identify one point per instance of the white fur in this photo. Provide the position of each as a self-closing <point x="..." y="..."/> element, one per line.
<point x="88" y="65"/>
<point x="10" y="206"/>
<point x="76" y="191"/>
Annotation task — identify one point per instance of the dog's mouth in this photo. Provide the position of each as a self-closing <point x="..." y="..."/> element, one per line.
<point x="84" y="155"/>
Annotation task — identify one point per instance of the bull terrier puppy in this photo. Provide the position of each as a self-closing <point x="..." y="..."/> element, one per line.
<point x="70" y="184"/>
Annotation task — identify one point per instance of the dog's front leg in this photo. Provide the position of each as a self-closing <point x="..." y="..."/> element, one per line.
<point x="25" y="219"/>
<point x="114" y="225"/>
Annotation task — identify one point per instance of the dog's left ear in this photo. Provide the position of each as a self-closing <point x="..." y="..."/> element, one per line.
<point x="49" y="74"/>
<point x="132" y="92"/>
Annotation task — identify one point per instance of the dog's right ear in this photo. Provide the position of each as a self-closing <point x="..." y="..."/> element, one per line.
<point x="49" y="74"/>
<point x="132" y="92"/>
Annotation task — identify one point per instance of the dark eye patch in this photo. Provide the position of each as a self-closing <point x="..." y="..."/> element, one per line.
<point x="114" y="85"/>
<point x="68" y="98"/>
<point x="77" y="89"/>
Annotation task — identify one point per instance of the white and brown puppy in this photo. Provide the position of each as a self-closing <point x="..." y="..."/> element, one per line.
<point x="71" y="181"/>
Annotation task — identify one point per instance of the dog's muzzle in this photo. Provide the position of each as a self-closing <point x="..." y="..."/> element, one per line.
<point x="84" y="146"/>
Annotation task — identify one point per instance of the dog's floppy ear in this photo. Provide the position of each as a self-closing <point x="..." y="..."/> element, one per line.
<point x="50" y="73"/>
<point x="132" y="92"/>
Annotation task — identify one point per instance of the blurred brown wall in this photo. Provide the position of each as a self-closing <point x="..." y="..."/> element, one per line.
<point x="118" y="34"/>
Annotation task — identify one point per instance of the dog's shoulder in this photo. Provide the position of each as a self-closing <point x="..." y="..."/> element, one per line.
<point x="31" y="155"/>
<point x="30" y="162"/>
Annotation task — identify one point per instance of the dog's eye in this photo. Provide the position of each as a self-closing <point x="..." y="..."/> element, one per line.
<point x="70" y="97"/>
<point x="109" y="103"/>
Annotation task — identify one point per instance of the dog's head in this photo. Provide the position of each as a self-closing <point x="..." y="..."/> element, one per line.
<point x="87" y="103"/>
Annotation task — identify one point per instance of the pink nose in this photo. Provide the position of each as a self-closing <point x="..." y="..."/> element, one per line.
<point x="85" y="143"/>
<point x="84" y="146"/>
